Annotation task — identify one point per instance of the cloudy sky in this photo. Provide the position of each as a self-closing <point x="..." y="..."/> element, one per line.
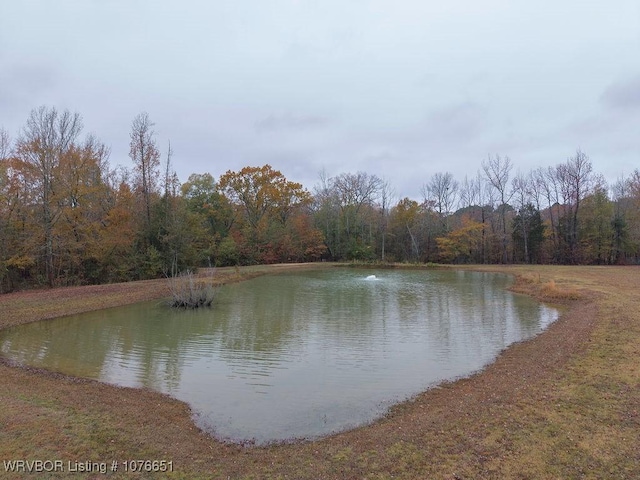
<point x="400" y="89"/>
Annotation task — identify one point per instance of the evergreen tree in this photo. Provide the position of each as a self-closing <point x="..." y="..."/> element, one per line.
<point x="528" y="234"/>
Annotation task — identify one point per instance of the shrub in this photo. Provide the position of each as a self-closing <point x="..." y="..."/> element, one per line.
<point x="188" y="292"/>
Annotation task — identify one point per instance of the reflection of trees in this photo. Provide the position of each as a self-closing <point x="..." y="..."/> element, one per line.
<point x="96" y="344"/>
<point x="257" y="319"/>
<point x="54" y="345"/>
<point x="471" y="315"/>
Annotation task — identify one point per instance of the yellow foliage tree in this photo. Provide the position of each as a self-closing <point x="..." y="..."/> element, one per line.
<point x="462" y="244"/>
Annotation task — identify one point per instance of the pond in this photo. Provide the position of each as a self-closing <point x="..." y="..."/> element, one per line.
<point x="296" y="355"/>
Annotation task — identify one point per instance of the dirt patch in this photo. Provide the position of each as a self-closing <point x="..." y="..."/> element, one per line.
<point x="562" y="405"/>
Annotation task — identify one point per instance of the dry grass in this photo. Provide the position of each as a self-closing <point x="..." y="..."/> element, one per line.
<point x="563" y="405"/>
<point x="190" y="293"/>
<point x="548" y="291"/>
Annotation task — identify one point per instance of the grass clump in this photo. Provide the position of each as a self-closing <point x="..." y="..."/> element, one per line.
<point x="552" y="291"/>
<point x="544" y="290"/>
<point x="189" y="292"/>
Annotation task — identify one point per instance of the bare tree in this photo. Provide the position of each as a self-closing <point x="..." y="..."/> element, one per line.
<point x="146" y="157"/>
<point x="469" y="193"/>
<point x="622" y="195"/>
<point x="171" y="182"/>
<point x="575" y="181"/>
<point x="174" y="231"/>
<point x="355" y="191"/>
<point x="5" y="144"/>
<point x="441" y="192"/>
<point x="387" y="194"/>
<point x="545" y="182"/>
<point x="326" y="210"/>
<point x="344" y="208"/>
<point x="521" y="187"/>
<point x="497" y="172"/>
<point x="535" y="189"/>
<point x="634" y="184"/>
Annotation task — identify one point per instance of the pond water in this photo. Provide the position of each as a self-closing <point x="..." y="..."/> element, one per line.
<point x="296" y="355"/>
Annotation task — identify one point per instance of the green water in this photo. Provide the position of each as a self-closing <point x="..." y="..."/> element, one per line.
<point x="293" y="355"/>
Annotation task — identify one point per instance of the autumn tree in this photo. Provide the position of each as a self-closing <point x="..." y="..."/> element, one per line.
<point x="47" y="136"/>
<point x="462" y="244"/>
<point x="19" y="246"/>
<point x="405" y="220"/>
<point x="59" y="198"/>
<point x="81" y="196"/>
<point x="266" y="202"/>
<point x="260" y="191"/>
<point x="116" y="251"/>
<point x="476" y="201"/>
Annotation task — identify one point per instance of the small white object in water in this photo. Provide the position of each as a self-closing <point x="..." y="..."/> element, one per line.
<point x="372" y="277"/>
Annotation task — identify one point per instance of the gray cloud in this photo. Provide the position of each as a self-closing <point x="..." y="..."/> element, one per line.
<point x="402" y="90"/>
<point x="288" y="121"/>
<point x="23" y="82"/>
<point x="623" y="94"/>
<point x="459" y="122"/>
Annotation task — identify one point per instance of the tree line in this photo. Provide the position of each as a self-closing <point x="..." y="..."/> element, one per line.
<point x="68" y="217"/>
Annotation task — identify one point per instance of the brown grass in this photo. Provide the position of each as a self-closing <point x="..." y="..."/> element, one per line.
<point x="547" y="291"/>
<point x="565" y="404"/>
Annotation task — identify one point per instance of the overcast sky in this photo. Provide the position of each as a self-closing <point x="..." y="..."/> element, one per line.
<point x="400" y="89"/>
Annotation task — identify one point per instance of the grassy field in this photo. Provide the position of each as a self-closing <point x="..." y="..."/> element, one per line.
<point x="563" y="405"/>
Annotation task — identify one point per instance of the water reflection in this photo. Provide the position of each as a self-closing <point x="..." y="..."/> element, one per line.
<point x="296" y="355"/>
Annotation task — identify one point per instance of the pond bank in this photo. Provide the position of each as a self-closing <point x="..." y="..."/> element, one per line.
<point x="563" y="405"/>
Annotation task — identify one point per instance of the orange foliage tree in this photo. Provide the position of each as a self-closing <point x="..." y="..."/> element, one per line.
<point x="270" y="210"/>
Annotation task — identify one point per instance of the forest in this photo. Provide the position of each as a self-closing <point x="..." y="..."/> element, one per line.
<point x="67" y="217"/>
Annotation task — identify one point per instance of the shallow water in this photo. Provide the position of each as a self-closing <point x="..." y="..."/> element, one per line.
<point x="293" y="355"/>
